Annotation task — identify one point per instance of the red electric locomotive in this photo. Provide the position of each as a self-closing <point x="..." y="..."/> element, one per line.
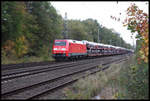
<point x="66" y="48"/>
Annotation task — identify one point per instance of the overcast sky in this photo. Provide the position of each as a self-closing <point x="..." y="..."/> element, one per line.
<point x="101" y="11"/>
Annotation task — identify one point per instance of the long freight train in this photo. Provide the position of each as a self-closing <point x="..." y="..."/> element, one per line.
<point x="68" y="49"/>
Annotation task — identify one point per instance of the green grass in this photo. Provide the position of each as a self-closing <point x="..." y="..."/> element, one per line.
<point x="82" y="90"/>
<point x="26" y="59"/>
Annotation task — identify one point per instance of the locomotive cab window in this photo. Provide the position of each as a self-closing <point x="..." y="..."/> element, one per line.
<point x="60" y="43"/>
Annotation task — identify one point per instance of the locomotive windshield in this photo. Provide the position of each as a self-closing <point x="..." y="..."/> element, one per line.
<point x="60" y="43"/>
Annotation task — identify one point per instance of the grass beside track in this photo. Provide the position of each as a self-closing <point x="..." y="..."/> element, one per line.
<point x="100" y="83"/>
<point x="26" y="60"/>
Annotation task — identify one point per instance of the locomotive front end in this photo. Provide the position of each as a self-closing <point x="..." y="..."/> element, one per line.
<point x="60" y="49"/>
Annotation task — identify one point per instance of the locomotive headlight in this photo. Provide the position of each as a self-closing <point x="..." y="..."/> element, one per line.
<point x="55" y="48"/>
<point x="63" y="49"/>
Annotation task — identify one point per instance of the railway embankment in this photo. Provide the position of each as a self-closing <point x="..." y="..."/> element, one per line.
<point x="107" y="84"/>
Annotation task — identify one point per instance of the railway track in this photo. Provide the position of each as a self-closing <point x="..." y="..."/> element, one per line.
<point x="31" y="64"/>
<point x="44" y="75"/>
<point x="13" y="69"/>
<point x="23" y="65"/>
<point x="31" y="86"/>
<point x="16" y="73"/>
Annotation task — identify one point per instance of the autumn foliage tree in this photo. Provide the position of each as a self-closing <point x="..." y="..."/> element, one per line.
<point x="137" y="21"/>
<point x="14" y="27"/>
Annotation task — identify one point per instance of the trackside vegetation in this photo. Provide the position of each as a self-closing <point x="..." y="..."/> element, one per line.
<point x="127" y="81"/>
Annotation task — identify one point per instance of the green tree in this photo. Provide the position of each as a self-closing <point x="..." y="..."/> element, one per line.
<point x="76" y="30"/>
<point x="49" y="25"/>
<point x="91" y="27"/>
